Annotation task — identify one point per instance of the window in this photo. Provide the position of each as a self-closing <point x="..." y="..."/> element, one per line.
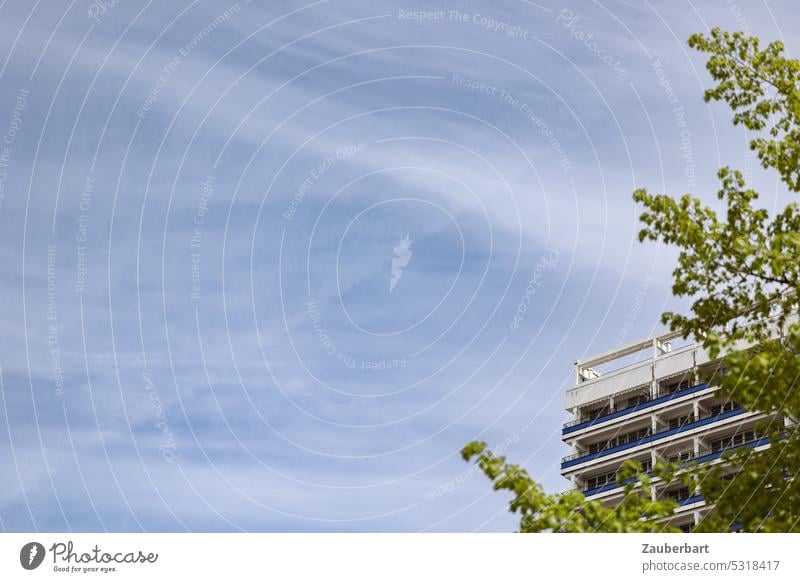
<point x="635" y="401"/>
<point x="600" y="480"/>
<point x="680" y="456"/>
<point x="595" y="413"/>
<point x="735" y="440"/>
<point x="675" y="386"/>
<point x="611" y="477"/>
<point x="679" y="494"/>
<point x="686" y="527"/>
<point x="623" y="439"/>
<point x="679" y="421"/>
<point x="718" y="409"/>
<point x="623" y="403"/>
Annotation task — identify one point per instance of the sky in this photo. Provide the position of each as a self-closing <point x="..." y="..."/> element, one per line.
<point x="268" y="266"/>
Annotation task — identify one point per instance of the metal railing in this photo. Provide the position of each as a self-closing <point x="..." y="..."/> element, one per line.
<point x="648" y="432"/>
<point x="621" y="410"/>
<point x="615" y="409"/>
<point x="647" y="469"/>
<point x="653" y="436"/>
<point x="756" y="442"/>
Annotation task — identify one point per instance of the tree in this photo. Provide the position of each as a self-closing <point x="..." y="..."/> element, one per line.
<point x="741" y="270"/>
<point x="570" y="512"/>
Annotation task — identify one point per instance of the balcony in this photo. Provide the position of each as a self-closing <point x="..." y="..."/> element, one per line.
<point x="584" y="457"/>
<point x="574" y="425"/>
<point x="703" y="456"/>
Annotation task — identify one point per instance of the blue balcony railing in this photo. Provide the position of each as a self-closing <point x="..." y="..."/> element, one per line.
<point x="578" y="425"/>
<point x="690" y="500"/>
<point x="575" y="459"/>
<point x="703" y="457"/>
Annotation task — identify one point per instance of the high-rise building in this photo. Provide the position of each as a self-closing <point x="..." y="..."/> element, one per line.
<point x="644" y="401"/>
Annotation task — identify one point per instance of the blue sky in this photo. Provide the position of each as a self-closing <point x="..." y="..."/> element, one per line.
<point x="204" y="206"/>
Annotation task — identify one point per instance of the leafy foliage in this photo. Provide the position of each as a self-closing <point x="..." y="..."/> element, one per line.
<point x="570" y="512"/>
<point x="761" y="87"/>
<point x="741" y="270"/>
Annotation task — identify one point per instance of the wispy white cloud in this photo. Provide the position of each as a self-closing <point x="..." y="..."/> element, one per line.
<point x="338" y="417"/>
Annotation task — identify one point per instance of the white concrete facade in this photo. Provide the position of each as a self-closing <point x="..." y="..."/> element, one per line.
<point x="651" y="406"/>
